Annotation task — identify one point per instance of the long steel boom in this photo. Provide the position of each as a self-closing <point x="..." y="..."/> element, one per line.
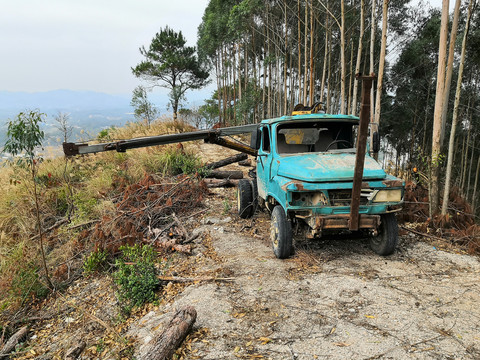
<point x="212" y="135"/>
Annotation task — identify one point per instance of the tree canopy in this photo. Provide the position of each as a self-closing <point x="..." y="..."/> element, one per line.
<point x="171" y="64"/>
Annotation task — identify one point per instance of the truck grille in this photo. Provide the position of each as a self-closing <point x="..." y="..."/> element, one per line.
<point x="344" y="197"/>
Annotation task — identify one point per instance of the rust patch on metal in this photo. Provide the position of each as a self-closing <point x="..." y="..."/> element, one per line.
<point x="393" y="183"/>
<point x="297" y="183"/>
<point x="342" y="221"/>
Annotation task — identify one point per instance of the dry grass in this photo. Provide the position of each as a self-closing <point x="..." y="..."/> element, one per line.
<point x="91" y="183"/>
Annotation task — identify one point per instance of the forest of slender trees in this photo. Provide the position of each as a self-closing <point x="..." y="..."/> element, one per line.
<point x="267" y="56"/>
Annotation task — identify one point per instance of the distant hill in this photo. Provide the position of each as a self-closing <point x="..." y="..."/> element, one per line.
<point x="89" y="111"/>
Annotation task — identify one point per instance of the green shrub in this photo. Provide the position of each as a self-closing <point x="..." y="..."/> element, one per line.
<point x="95" y="261"/>
<point x="136" y="276"/>
<point x="175" y="162"/>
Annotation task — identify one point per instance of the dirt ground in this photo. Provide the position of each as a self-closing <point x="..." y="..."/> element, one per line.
<point x="334" y="299"/>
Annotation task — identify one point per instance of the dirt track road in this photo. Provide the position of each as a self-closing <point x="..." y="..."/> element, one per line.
<point x="333" y="299"/>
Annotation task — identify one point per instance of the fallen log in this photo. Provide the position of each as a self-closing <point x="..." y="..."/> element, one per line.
<point x="246" y="162"/>
<point x="214" y="183"/>
<point x="216" y="174"/>
<point x="227" y="161"/>
<point x="164" y="345"/>
<point x="14" y="340"/>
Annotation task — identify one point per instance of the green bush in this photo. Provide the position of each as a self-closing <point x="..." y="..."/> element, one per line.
<point x="136" y="276"/>
<point x="95" y="261"/>
<point x="175" y="162"/>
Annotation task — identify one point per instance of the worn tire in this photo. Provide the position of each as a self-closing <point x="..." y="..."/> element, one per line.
<point x="253" y="182"/>
<point x="281" y="233"/>
<point x="387" y="239"/>
<point x="245" y="199"/>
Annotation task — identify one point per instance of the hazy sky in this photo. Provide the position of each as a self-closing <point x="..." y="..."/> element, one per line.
<point x="86" y="44"/>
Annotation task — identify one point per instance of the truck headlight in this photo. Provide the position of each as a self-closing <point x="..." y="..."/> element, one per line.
<point x="394" y="195"/>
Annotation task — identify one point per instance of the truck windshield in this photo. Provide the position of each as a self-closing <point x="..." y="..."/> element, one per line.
<point x="314" y="137"/>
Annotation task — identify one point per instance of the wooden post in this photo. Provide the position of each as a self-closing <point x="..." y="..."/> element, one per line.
<point x="361" y="150"/>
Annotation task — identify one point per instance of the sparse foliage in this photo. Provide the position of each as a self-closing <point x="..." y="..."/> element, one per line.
<point x="24" y="139"/>
<point x="144" y="110"/>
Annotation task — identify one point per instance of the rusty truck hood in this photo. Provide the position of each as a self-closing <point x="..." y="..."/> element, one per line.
<point x="327" y="167"/>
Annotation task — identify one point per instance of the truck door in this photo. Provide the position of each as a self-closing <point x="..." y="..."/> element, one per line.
<point x="264" y="160"/>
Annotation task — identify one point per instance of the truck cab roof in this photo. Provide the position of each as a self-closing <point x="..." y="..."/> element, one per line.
<point x="314" y="117"/>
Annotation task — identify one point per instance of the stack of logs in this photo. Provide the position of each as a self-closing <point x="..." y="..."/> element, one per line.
<point x="218" y="178"/>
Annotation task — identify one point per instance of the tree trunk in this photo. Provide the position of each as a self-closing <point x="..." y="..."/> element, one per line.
<point x="343" y="108"/>
<point x="470" y="169"/>
<point x="285" y="59"/>
<point x="373" y="25"/>
<point x="350" y="78"/>
<point x="325" y="57"/>
<point x="299" y="42"/>
<point x="176" y="331"/>
<point x="465" y="158"/>
<point x="359" y="56"/>
<point x="381" y="66"/>
<point x="451" y="150"/>
<point x="305" y="66"/>
<point x="448" y="80"/>
<point x="474" y="197"/>
<point x="437" y="116"/>
<point x="312" y="91"/>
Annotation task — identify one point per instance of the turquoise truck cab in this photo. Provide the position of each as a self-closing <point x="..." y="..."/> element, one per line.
<point x="304" y="177"/>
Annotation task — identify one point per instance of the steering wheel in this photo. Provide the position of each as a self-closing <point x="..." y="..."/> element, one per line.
<point x="338" y="141"/>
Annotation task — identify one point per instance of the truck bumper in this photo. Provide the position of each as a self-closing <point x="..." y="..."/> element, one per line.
<point x="318" y="223"/>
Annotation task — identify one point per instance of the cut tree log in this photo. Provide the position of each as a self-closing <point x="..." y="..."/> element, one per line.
<point x="14" y="340"/>
<point x="164" y="345"/>
<point x="226" y="161"/>
<point x="214" y="183"/>
<point x="216" y="174"/>
<point x="245" y="162"/>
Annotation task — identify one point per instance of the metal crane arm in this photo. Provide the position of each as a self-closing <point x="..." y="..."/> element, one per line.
<point x="212" y="136"/>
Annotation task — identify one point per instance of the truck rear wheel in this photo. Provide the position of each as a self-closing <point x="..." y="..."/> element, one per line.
<point x="387" y="239"/>
<point x="281" y="233"/>
<point x="245" y="199"/>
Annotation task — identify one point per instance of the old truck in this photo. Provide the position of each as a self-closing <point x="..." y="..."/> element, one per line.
<point x="304" y="176"/>
<point x="313" y="174"/>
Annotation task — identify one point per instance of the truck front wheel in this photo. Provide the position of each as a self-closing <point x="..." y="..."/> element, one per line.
<point x="245" y="199"/>
<point x="387" y="239"/>
<point x="281" y="233"/>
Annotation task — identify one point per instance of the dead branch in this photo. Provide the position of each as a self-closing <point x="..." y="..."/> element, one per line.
<point x="75" y="351"/>
<point x="422" y="234"/>
<point x="53" y="227"/>
<point x="14" y="340"/>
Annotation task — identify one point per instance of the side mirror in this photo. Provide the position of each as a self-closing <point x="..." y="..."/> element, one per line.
<point x="255" y="139"/>
<point x="376" y="142"/>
